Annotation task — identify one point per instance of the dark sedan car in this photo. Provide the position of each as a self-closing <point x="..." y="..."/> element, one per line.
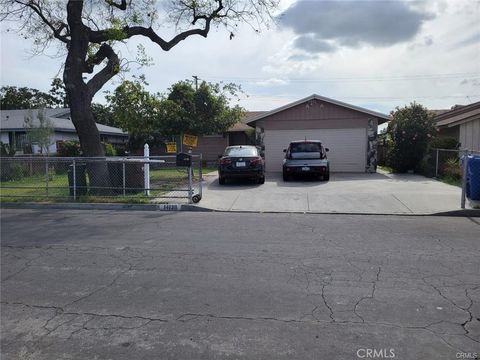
<point x="242" y="161"/>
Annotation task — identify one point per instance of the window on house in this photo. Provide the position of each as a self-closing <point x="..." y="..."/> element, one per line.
<point x="20" y="140"/>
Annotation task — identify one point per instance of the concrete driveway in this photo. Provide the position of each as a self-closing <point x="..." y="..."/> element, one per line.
<point x="379" y="193"/>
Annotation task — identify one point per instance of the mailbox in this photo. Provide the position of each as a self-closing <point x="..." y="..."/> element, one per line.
<point x="184" y="159"/>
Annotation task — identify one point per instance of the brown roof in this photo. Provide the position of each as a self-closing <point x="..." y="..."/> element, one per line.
<point x="459" y="114"/>
<point x="242" y="124"/>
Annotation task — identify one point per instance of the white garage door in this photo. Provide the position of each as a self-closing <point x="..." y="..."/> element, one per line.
<point x="347" y="147"/>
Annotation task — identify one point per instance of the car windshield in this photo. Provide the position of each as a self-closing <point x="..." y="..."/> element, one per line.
<point x="241" y="151"/>
<point x="306" y="150"/>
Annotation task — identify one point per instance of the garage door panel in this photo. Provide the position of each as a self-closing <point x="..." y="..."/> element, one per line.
<point x="347" y="147"/>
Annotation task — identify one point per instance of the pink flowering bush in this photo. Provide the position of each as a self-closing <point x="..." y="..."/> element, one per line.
<point x="409" y="133"/>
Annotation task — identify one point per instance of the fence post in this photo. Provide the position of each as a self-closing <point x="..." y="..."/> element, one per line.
<point x="436" y="165"/>
<point x="74" y="172"/>
<point x="190" y="186"/>
<point x="200" y="176"/>
<point x="123" y="175"/>
<point x="464" y="181"/>
<point x="146" y="169"/>
<point x="46" y="176"/>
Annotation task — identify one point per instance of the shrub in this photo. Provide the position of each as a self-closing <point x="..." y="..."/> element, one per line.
<point x="452" y="169"/>
<point x="109" y="149"/>
<point x="409" y="133"/>
<point x="12" y="171"/>
<point x="69" y="148"/>
<point x="7" y="150"/>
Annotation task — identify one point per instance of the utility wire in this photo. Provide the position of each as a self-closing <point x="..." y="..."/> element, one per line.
<point x="372" y="98"/>
<point x="351" y="78"/>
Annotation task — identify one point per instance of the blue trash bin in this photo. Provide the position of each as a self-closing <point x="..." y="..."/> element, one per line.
<point x="473" y="178"/>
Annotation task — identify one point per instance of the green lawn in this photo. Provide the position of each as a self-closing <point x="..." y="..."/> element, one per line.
<point x="33" y="188"/>
<point x="385" y="168"/>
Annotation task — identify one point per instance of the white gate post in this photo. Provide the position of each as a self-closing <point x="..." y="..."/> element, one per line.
<point x="146" y="169"/>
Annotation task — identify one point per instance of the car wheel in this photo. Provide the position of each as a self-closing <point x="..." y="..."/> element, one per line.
<point x="261" y="180"/>
<point x="286" y="177"/>
<point x="221" y="180"/>
<point x="326" y="177"/>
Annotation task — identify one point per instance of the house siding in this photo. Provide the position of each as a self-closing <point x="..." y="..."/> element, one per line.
<point x="470" y="135"/>
<point x="315" y="114"/>
<point x="211" y="146"/>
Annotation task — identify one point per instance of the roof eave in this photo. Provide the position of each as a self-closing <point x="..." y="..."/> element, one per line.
<point x="455" y="112"/>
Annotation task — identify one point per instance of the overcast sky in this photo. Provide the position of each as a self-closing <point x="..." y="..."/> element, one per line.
<point x="374" y="54"/>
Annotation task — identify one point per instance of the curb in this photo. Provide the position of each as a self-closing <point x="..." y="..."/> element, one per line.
<point x="454" y="213"/>
<point x="105" y="206"/>
<point x="188" y="207"/>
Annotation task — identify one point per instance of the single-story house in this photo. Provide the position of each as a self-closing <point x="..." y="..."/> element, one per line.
<point x="462" y="122"/>
<point x="349" y="131"/>
<point x="12" y="129"/>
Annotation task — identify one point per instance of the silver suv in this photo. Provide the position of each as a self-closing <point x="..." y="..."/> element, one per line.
<point x="306" y="157"/>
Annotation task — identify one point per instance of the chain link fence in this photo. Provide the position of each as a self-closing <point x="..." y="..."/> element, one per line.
<point x="155" y="179"/>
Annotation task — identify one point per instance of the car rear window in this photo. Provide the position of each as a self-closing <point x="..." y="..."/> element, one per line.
<point x="244" y="151"/>
<point x="306" y="150"/>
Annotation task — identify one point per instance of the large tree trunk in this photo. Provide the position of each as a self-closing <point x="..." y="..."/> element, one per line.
<point x="83" y="119"/>
<point x="80" y="101"/>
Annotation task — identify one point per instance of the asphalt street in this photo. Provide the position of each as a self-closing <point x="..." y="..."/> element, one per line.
<point x="191" y="285"/>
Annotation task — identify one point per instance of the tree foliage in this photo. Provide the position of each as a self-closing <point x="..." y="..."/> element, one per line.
<point x="204" y="111"/>
<point x="103" y="114"/>
<point x="409" y="133"/>
<point x="14" y="98"/>
<point x="40" y="131"/>
<point x="57" y="91"/>
<point x="134" y="109"/>
<point x="152" y="118"/>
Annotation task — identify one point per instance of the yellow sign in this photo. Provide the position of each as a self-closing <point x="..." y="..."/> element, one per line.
<point x="171" y="147"/>
<point x="190" y="140"/>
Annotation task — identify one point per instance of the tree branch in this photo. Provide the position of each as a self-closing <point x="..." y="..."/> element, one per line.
<point x="104" y="35"/>
<point x="121" y="6"/>
<point x="103" y="76"/>
<point x="57" y="32"/>
<point x="101" y="36"/>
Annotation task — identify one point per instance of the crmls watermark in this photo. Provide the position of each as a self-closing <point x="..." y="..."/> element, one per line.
<point x="376" y="353"/>
<point x="467" y="355"/>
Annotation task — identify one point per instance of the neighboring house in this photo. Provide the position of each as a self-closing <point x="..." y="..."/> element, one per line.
<point x="463" y="124"/>
<point x="349" y="131"/>
<point x="12" y="130"/>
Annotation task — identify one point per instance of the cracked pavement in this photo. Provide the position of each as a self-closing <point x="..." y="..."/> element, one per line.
<point x="186" y="285"/>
